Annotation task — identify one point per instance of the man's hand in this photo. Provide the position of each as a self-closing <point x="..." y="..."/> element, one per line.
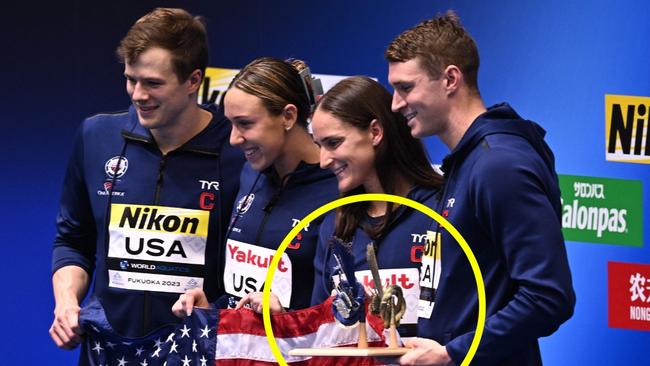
<point x="425" y="352"/>
<point x="186" y="302"/>
<point x="65" y="330"/>
<point x="254" y="299"/>
<point x="70" y="284"/>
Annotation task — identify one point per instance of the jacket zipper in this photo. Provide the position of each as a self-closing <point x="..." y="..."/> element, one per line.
<point x="269" y="207"/>
<point x="156" y="201"/>
<point x="130" y="136"/>
<point x="267" y="212"/>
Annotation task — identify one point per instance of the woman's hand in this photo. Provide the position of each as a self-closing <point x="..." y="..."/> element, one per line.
<point x="254" y="299"/>
<point x="192" y="298"/>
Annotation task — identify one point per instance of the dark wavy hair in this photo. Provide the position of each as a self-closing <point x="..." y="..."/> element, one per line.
<point x="358" y="101"/>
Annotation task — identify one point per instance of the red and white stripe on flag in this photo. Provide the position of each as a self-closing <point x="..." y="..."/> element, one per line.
<point x="241" y="339"/>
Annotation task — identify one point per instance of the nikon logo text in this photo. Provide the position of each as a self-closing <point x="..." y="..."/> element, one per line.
<point x="150" y="219"/>
<point x="626" y="127"/>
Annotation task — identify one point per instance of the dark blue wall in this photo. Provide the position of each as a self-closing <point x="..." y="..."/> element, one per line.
<point x="552" y="60"/>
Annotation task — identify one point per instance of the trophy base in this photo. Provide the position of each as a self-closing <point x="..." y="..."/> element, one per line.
<point x="350" y="352"/>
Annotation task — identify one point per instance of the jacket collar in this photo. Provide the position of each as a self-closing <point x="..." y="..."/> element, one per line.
<point x="209" y="141"/>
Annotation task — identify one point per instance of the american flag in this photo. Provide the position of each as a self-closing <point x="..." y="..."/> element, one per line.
<point x="226" y="337"/>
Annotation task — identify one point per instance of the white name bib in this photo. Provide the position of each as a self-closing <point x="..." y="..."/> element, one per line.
<point x="156" y="248"/>
<point x="429" y="274"/>
<point x="246" y="267"/>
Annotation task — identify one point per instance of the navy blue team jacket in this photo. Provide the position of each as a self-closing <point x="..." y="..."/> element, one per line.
<point x="501" y="193"/>
<point x="400" y="247"/>
<point x="200" y="175"/>
<point x="273" y="208"/>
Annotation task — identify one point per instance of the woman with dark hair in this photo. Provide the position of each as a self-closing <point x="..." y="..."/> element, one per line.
<point x="371" y="150"/>
<point x="269" y="104"/>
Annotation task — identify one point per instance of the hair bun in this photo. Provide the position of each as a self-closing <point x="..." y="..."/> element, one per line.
<point x="297" y="64"/>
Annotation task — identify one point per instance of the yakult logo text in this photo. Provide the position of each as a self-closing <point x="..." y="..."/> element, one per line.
<point x="249" y="257"/>
<point x="401" y="280"/>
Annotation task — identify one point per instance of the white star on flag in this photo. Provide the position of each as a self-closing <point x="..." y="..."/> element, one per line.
<point x="185" y="331"/>
<point x="186" y="361"/>
<point x="156" y="352"/>
<point x="205" y="331"/>
<point x="98" y="347"/>
<point x="170" y="338"/>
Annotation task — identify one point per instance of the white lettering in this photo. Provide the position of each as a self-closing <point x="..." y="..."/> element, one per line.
<point x="598" y="219"/>
<point x="639" y="313"/>
<point x="206" y="184"/>
<point x="295" y="222"/>
<point x="589" y="190"/>
<point x="419" y="238"/>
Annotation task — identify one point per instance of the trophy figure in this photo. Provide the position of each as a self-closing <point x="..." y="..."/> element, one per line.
<point x="348" y="306"/>
<point x="388" y="303"/>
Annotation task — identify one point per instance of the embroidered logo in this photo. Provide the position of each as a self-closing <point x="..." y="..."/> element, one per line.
<point x="245" y="203"/>
<point x="116" y="166"/>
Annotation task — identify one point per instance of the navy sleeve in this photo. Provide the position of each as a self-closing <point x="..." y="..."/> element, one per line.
<point x="512" y="202"/>
<point x="322" y="276"/>
<point x="75" y="241"/>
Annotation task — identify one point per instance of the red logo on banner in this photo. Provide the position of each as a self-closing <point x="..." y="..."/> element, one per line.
<point x="629" y="295"/>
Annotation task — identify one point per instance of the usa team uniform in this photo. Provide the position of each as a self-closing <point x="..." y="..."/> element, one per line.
<point x="501" y="194"/>
<point x="266" y="210"/>
<point x="148" y="225"/>
<point x="399" y="253"/>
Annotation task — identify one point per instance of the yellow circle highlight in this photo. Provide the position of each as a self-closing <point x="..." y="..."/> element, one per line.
<point x="266" y="295"/>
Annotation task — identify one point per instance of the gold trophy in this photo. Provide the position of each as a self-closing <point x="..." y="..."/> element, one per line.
<point x="388" y="303"/>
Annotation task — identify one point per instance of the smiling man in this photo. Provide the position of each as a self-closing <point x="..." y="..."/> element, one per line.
<point x="500" y="192"/>
<point x="148" y="191"/>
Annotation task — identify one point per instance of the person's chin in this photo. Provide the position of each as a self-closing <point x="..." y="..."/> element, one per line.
<point x="259" y="164"/>
<point x="147" y="123"/>
<point x="345" y="185"/>
<point x="415" y="127"/>
<point x="417" y="132"/>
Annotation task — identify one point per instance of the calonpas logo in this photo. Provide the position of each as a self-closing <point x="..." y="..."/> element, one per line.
<point x="602" y="210"/>
<point x="626" y="128"/>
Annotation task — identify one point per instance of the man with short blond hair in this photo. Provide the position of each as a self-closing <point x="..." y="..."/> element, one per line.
<point x="148" y="191"/>
<point x="500" y="192"/>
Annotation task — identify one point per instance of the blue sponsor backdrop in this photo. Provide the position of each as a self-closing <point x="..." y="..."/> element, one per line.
<point x="552" y="60"/>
